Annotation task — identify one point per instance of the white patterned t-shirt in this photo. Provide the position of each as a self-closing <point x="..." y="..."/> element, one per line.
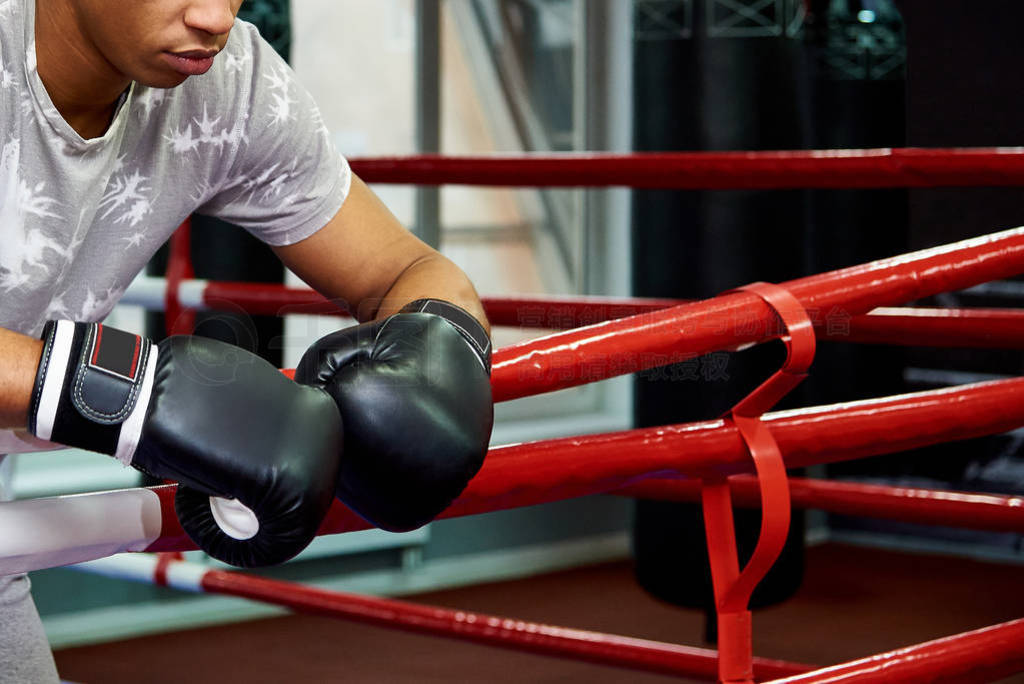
<point x="79" y="219"/>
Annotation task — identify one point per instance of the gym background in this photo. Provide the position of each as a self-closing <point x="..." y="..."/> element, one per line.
<point x="478" y="76"/>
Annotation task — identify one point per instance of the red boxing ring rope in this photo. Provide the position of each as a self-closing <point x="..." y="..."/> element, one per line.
<point x="491" y="630"/>
<point x="906" y="326"/>
<point x="994" y="512"/>
<point x="732" y="321"/>
<point x="872" y="168"/>
<point x="983" y="655"/>
<point x="997" y="648"/>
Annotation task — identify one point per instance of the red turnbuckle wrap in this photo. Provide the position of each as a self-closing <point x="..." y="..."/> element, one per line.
<point x="733" y="588"/>
<point x="177" y="319"/>
<point x="163" y="562"/>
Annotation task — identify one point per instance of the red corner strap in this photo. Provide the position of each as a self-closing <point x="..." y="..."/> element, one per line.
<point x="733" y="588"/>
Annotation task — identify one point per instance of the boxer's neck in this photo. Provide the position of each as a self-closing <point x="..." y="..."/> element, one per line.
<point x="83" y="85"/>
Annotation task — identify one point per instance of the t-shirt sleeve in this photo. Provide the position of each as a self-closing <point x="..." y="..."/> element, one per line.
<point x="286" y="180"/>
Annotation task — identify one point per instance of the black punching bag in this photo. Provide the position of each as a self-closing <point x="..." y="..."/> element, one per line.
<point x="708" y="77"/>
<point x="858" y="62"/>
<point x="221" y="251"/>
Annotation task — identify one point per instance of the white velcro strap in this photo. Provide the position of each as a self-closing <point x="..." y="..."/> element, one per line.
<point x="131" y="428"/>
<point x="53" y="381"/>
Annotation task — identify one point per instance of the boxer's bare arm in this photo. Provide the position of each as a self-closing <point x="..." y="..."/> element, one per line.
<point x="19" y="359"/>
<point x="366" y="259"/>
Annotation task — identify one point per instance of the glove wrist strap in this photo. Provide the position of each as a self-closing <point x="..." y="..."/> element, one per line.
<point x="467" y="324"/>
<point x="92" y="388"/>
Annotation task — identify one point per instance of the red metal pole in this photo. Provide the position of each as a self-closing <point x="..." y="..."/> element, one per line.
<point x="926" y="327"/>
<point x="606" y="649"/>
<point x="983" y="655"/>
<point x="871" y="168"/>
<point x="730" y="321"/>
<point x="924" y="506"/>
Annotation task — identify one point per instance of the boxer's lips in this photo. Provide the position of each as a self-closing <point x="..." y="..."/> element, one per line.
<point x="190" y="62"/>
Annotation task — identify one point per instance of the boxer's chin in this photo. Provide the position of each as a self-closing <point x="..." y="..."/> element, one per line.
<point x="169" y="79"/>
<point x="157" y="75"/>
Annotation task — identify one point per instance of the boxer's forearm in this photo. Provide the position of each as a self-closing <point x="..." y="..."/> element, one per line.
<point x="433" y="277"/>
<point x="371" y="265"/>
<point x="19" y="359"/>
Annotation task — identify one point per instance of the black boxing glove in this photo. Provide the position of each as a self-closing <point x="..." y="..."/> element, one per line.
<point x="414" y="393"/>
<point x="256" y="454"/>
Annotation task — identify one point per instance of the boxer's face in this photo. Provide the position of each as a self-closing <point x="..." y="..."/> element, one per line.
<point x="158" y="43"/>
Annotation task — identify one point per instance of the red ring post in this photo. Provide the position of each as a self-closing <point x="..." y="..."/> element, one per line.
<point x="177" y="319"/>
